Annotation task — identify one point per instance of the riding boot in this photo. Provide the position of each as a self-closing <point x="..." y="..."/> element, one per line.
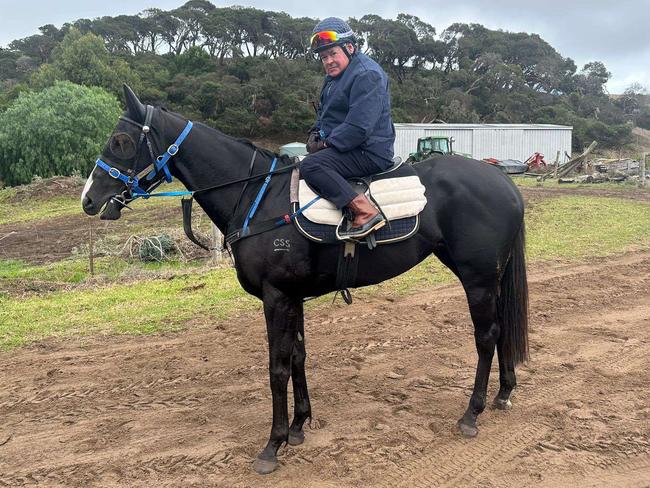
<point x="367" y="219"/>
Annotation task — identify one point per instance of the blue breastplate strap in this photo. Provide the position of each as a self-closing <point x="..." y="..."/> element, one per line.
<point x="259" y="197"/>
<point x="267" y="225"/>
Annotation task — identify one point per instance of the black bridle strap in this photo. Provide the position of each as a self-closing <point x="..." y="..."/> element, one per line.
<point x="249" y="178"/>
<point x="250" y="172"/>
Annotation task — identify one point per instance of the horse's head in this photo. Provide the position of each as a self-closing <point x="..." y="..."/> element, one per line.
<point x="126" y="165"/>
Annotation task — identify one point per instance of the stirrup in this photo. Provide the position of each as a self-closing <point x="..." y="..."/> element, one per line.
<point x="356" y="233"/>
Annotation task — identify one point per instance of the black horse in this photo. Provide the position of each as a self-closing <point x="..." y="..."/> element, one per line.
<point x="473" y="222"/>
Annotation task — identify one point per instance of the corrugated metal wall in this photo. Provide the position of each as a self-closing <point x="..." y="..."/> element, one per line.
<point x="501" y="141"/>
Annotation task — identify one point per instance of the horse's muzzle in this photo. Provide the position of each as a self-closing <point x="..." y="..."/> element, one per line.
<point x="112" y="210"/>
<point x="89" y="206"/>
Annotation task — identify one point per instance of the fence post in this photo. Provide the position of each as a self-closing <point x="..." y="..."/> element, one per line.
<point x="217" y="239"/>
<point x="91" y="249"/>
<point x="557" y="163"/>
<point x="642" y="170"/>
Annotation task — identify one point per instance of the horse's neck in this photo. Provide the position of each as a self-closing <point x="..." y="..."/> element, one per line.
<point x="209" y="158"/>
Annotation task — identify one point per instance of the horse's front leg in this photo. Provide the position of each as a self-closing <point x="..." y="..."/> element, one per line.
<point x="301" y="405"/>
<point x="281" y="314"/>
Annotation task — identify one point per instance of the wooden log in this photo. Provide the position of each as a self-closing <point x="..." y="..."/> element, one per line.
<point x="573" y="164"/>
<point x="217" y="239"/>
<point x="569" y="165"/>
<point x="91" y="249"/>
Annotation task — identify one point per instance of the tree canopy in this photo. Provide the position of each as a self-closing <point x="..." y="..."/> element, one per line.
<point x="250" y="73"/>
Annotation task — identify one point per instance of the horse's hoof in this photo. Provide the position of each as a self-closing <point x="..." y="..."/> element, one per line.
<point x="467" y="430"/>
<point x="296" y="438"/>
<point x="263" y="466"/>
<point x="500" y="404"/>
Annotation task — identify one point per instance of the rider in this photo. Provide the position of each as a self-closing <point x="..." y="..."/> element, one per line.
<point x="354" y="133"/>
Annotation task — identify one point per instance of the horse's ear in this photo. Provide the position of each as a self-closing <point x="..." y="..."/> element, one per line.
<point x="134" y="106"/>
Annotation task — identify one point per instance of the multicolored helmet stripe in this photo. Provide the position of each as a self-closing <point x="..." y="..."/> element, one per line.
<point x="323" y="39"/>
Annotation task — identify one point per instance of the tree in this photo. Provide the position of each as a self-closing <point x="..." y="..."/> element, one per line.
<point x="39" y="46"/>
<point x="189" y="18"/>
<point x="392" y="43"/>
<point x="591" y="80"/>
<point x="59" y="131"/>
<point x="631" y="100"/>
<point x="8" y="69"/>
<point x="84" y="60"/>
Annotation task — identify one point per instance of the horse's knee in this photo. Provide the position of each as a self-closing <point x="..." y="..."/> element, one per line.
<point x="299" y="355"/>
<point x="279" y="375"/>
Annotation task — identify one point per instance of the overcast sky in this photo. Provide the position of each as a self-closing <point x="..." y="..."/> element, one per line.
<point x="614" y="32"/>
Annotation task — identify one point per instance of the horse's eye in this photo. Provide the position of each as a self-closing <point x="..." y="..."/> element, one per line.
<point x="122" y="145"/>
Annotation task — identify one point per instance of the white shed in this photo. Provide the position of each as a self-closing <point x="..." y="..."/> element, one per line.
<point x="501" y="141"/>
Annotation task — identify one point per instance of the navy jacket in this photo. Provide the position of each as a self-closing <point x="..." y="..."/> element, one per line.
<point x="355" y="110"/>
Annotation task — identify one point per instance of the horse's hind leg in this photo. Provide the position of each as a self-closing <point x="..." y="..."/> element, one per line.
<point x="483" y="309"/>
<point x="507" y="378"/>
<point x="301" y="405"/>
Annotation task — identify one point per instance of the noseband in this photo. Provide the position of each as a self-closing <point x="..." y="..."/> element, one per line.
<point x="159" y="166"/>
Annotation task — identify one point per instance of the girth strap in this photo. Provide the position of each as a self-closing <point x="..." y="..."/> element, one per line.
<point x="346" y="271"/>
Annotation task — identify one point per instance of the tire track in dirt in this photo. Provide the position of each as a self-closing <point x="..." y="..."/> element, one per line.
<point x="464" y="459"/>
<point x="162" y="465"/>
<point x="425" y="471"/>
<point x="89" y="393"/>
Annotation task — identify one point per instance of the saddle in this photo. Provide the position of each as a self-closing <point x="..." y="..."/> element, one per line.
<point x="397" y="193"/>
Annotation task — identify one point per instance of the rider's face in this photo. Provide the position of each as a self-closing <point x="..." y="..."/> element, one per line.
<point x="334" y="59"/>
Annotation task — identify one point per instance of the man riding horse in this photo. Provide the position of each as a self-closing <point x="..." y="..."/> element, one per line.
<point x="354" y="134"/>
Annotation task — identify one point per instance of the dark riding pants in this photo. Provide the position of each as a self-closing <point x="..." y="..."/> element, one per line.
<point x="325" y="172"/>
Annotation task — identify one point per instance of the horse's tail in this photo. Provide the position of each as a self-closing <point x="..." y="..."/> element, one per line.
<point x="512" y="304"/>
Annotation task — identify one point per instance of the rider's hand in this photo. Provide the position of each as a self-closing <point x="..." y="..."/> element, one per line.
<point x="315" y="143"/>
<point x="317" y="146"/>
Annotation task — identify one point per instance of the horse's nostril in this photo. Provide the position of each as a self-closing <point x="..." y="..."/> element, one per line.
<point x="86" y="204"/>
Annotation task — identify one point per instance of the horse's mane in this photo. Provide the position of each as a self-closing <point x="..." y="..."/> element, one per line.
<point x="266" y="152"/>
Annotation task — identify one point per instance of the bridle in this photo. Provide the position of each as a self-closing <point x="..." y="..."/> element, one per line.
<point x="158" y="168"/>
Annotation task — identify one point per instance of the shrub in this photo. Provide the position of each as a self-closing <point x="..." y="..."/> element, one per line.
<point x="59" y="131"/>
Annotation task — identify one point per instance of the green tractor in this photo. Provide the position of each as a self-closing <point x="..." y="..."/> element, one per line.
<point x="431" y="146"/>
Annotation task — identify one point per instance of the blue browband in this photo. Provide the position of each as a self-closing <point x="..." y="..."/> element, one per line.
<point x="160" y="164"/>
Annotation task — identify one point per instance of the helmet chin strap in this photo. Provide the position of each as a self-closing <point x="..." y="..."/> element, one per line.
<point x="347" y="53"/>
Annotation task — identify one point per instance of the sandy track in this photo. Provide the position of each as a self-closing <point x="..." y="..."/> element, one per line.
<point x="388" y="379"/>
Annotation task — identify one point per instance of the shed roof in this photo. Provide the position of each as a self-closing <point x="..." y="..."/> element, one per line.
<point x="484" y="126"/>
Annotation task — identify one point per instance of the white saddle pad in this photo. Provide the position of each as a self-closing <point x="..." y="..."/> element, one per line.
<point x="398" y="198"/>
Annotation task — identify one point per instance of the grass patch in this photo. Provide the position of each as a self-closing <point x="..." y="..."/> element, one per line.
<point x="76" y="271"/>
<point x="581" y="226"/>
<point x="38" y="209"/>
<point x="68" y="271"/>
<point x="138" y="308"/>
<point x="58" y="206"/>
<point x="7" y="194"/>
<point x="623" y="186"/>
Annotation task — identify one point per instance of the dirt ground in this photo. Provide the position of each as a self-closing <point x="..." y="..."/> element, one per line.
<point x="388" y="379"/>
